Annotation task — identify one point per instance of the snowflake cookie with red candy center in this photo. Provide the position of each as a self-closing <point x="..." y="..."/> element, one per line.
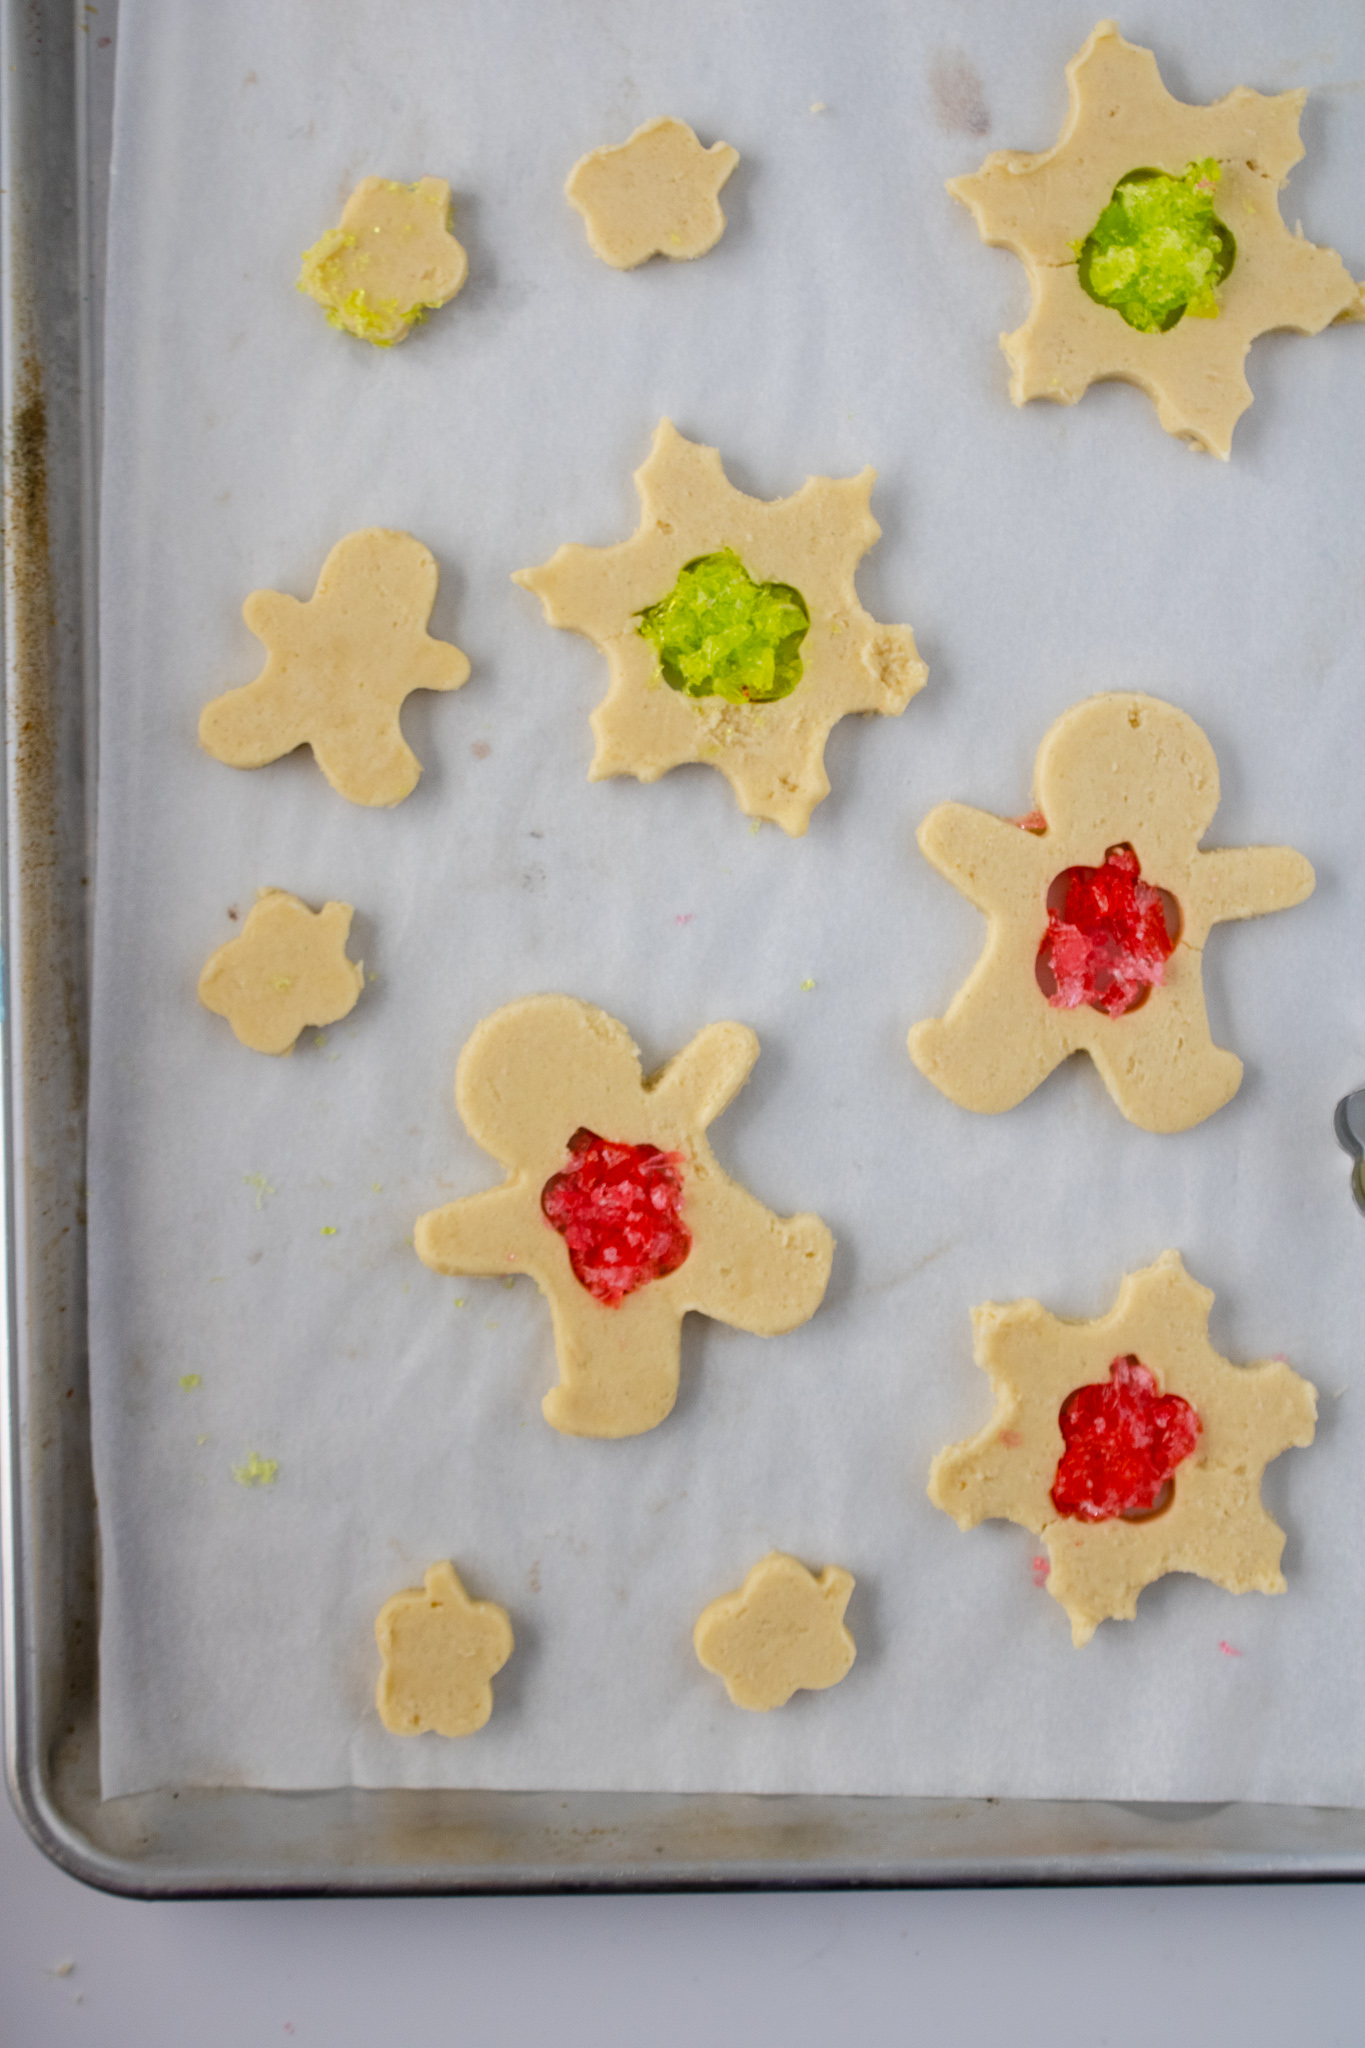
<point x="441" y="1651"/>
<point x="1128" y="1445"/>
<point x="1100" y="904"/>
<point x="1153" y="242"/>
<point x="615" y="1205"/>
<point x="732" y="629"/>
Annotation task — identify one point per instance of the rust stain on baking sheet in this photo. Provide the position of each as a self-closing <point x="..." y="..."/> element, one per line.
<point x="958" y="95"/>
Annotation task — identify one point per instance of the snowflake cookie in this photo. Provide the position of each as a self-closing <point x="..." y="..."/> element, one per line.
<point x="732" y="629"/>
<point x="781" y="1632"/>
<point x="391" y="261"/>
<point x="1153" y="243"/>
<point x="1127" y="1445"/>
<point x="655" y="195"/>
<point x="338" y="668"/>
<point x="615" y="1205"/>
<point x="1100" y="903"/>
<point x="441" y="1651"/>
<point x="286" y="969"/>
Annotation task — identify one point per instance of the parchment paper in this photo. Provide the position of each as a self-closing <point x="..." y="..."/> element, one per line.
<point x="848" y="316"/>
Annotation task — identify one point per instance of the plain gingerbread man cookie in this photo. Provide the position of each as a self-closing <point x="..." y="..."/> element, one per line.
<point x="1114" y="772"/>
<point x="1157" y="1375"/>
<point x="441" y="1651"/>
<point x="782" y="1632"/>
<point x="286" y="969"/>
<point x="338" y="668"/>
<point x="654" y="195"/>
<point x="1044" y="207"/>
<point x="791" y="562"/>
<point x="392" y="260"/>
<point x="616" y="1207"/>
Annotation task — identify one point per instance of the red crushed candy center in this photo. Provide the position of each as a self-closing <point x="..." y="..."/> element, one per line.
<point x="617" y="1209"/>
<point x="1123" y="1442"/>
<point x="1108" y="943"/>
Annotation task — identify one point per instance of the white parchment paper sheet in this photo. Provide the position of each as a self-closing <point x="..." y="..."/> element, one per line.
<point x="849" y="315"/>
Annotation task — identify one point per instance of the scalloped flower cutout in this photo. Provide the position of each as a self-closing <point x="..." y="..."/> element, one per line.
<point x="441" y="1652"/>
<point x="286" y="969"/>
<point x="1153" y="242"/>
<point x="782" y="1632"/>
<point x="732" y="629"/>
<point x="391" y="261"/>
<point x="338" y="668"/>
<point x="653" y="195"/>
<point x="1128" y="1445"/>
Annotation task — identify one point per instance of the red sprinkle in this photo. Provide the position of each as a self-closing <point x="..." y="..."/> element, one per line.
<point x="1228" y="1650"/>
<point x="1123" y="1442"/>
<point x="1108" y="944"/>
<point x="617" y="1209"/>
<point x="1041" y="1567"/>
<point x="1034" y="822"/>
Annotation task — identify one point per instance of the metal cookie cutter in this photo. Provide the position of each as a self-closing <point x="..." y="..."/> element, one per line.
<point x="1349" y="1124"/>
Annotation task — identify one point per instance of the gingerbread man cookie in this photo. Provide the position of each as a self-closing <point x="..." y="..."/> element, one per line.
<point x="286" y="969"/>
<point x="391" y="261"/>
<point x="441" y="1651"/>
<point x="732" y="629"/>
<point x="338" y="668"/>
<point x="615" y="1205"/>
<point x="1128" y="1445"/>
<point x="781" y="1632"/>
<point x="1152" y="238"/>
<point x="655" y="195"/>
<point x="1100" y="904"/>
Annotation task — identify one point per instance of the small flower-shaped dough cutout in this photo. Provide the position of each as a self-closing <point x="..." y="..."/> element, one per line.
<point x="654" y="195"/>
<point x="1114" y="773"/>
<point x="338" y="668"/>
<point x="616" y="1206"/>
<point x="441" y="1651"/>
<point x="1044" y="208"/>
<point x="286" y="969"/>
<point x="1211" y="1521"/>
<point x="781" y="1632"/>
<point x="775" y="560"/>
<point x="391" y="261"/>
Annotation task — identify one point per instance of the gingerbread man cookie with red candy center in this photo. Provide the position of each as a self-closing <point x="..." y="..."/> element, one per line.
<point x="616" y="1207"/>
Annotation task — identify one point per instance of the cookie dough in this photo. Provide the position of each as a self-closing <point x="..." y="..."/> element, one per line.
<point x="286" y="969"/>
<point x="1046" y="208"/>
<point x="1116" y="773"/>
<point x="549" y="1081"/>
<point x="1213" y="1522"/>
<point x="807" y="547"/>
<point x="338" y="668"/>
<point x="391" y="261"/>
<point x="782" y="1631"/>
<point x="440" y="1650"/>
<point x="654" y="195"/>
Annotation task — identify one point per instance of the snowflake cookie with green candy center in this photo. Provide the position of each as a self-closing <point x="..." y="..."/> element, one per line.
<point x="1123" y="127"/>
<point x="1159" y="249"/>
<point x="752" y="606"/>
<point x="390" y="262"/>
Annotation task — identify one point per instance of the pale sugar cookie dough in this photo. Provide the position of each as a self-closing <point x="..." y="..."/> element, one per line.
<point x="338" y="668"/>
<point x="390" y="262"/>
<point x="1076" y="210"/>
<point x="732" y="629"/>
<point x="615" y="1205"/>
<point x="653" y="195"/>
<point x="286" y="969"/>
<point x="782" y="1632"/>
<point x="441" y="1651"/>
<point x="1084" y="893"/>
<point x="1127" y="1445"/>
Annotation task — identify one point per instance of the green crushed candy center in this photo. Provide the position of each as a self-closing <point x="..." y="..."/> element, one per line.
<point x="1159" y="249"/>
<point x="720" y="634"/>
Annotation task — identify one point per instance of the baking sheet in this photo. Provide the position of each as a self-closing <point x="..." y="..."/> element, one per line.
<point x="848" y="316"/>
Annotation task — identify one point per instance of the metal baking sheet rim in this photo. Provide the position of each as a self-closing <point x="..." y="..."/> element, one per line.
<point x="206" y="1841"/>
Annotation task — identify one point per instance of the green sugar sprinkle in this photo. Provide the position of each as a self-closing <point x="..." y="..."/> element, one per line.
<point x="1159" y="249"/>
<point x="257" y="1471"/>
<point x="720" y="634"/>
<point x="261" y="1185"/>
<point x="329" y="1230"/>
<point x="190" y="1380"/>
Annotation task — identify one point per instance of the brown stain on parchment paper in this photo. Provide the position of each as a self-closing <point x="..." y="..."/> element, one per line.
<point x="958" y="96"/>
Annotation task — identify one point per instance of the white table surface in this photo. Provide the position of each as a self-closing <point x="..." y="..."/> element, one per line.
<point x="1082" y="1969"/>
